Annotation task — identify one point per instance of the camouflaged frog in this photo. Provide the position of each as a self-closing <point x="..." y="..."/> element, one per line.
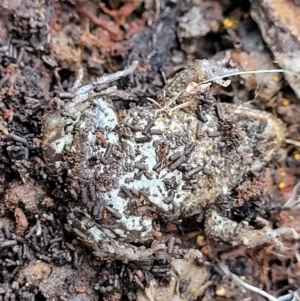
<point x="158" y="163"/>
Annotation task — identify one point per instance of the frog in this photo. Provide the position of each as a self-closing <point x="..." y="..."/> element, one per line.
<point x="155" y="163"/>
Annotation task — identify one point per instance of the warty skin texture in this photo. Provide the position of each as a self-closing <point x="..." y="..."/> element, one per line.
<point x="127" y="175"/>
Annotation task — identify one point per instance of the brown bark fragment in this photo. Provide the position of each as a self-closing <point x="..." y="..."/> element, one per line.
<point x="21" y="221"/>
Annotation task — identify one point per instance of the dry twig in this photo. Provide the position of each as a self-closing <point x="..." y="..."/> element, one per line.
<point x="250" y="287"/>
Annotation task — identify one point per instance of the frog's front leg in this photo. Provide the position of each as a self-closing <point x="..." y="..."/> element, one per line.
<point x="222" y="228"/>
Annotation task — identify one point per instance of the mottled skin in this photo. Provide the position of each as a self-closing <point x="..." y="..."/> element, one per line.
<point x="135" y="174"/>
<point x="196" y="72"/>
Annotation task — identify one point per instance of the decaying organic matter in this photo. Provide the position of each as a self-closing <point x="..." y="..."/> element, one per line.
<point x="127" y="175"/>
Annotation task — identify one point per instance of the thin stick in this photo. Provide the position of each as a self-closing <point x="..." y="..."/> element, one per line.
<point x="250" y="287"/>
<point x="112" y="77"/>
<point x="246" y="72"/>
<point x="291" y="202"/>
<point x="78" y="80"/>
<point x="155" y="102"/>
<point x="173" y="99"/>
<point x="183" y="105"/>
<point x="290" y="141"/>
<point x="287" y="297"/>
